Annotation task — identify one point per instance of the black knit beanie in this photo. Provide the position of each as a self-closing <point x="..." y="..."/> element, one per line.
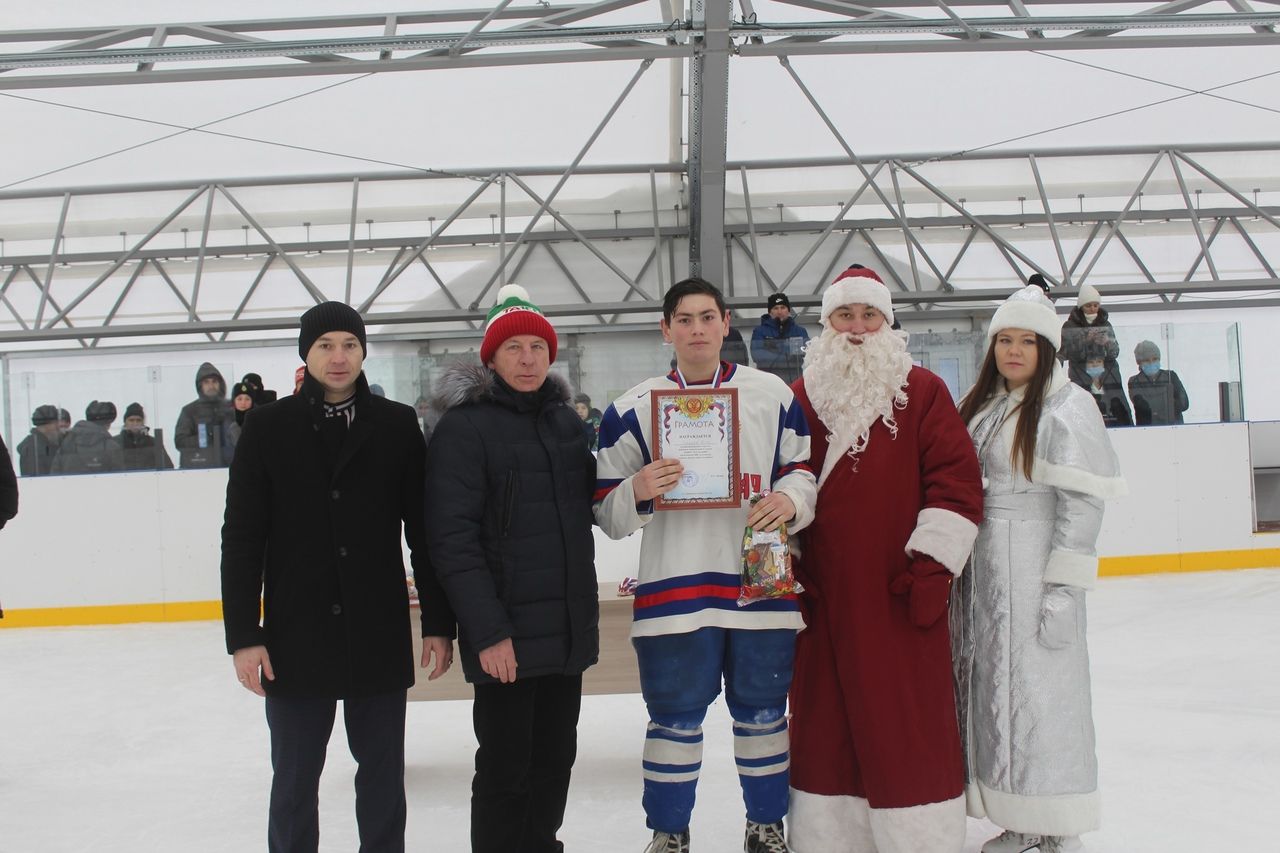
<point x="134" y="409"/>
<point x="330" y="317"/>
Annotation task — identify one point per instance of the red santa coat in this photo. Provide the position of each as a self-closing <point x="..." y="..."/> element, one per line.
<point x="872" y="702"/>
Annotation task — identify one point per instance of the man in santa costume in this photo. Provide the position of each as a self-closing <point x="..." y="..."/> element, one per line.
<point x="876" y="760"/>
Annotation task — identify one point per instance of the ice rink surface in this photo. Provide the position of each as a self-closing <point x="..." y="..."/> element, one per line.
<point x="137" y="738"/>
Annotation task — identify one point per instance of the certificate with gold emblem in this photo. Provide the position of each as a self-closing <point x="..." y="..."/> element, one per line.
<point x="700" y="428"/>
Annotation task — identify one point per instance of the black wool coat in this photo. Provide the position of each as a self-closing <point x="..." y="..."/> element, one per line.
<point x="509" y="488"/>
<point x="318" y="536"/>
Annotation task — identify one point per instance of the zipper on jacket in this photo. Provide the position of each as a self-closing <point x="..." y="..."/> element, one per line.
<point x="509" y="505"/>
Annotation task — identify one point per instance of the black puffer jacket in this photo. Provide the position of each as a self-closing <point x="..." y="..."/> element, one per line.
<point x="509" y="487"/>
<point x="89" y="448"/>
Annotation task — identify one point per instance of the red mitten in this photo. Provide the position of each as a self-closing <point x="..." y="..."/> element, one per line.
<point x="929" y="584"/>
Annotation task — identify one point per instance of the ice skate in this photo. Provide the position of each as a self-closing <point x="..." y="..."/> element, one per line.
<point x="668" y="842"/>
<point x="765" y="838"/>
<point x="1013" y="842"/>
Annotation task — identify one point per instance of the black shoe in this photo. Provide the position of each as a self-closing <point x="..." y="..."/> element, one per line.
<point x="765" y="838"/>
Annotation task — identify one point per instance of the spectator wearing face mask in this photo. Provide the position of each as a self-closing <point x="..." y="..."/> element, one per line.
<point x="1157" y="394"/>
<point x="1086" y="331"/>
<point x="1104" y="385"/>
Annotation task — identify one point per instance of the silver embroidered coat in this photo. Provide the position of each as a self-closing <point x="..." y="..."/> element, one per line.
<point x="1018" y="620"/>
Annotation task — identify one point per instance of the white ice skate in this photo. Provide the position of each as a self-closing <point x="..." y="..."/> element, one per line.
<point x="669" y="842"/>
<point x="1012" y="842"/>
<point x="1017" y="842"/>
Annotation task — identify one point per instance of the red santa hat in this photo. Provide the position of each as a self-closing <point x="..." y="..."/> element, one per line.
<point x="857" y="286"/>
<point x="1029" y="309"/>
<point x="512" y="315"/>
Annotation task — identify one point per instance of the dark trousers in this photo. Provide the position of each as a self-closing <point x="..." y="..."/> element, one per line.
<point x="300" y="730"/>
<point x="528" y="735"/>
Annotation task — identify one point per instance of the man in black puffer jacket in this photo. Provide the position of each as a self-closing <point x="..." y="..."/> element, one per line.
<point x="509" y="488"/>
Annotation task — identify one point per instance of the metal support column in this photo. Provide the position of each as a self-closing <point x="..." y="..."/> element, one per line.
<point x="708" y="138"/>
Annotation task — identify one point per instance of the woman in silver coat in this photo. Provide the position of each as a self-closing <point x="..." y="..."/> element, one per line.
<point x="1019" y="626"/>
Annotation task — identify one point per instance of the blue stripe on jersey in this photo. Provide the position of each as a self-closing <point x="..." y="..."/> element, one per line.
<point x="701" y="579"/>
<point x="795" y="419"/>
<point x="613" y="426"/>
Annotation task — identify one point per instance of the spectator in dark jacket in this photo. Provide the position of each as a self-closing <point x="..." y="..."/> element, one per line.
<point x="261" y="396"/>
<point x="1107" y="391"/>
<point x="90" y="448"/>
<point x="1088" y="330"/>
<point x="8" y="488"/>
<point x="509" y="488"/>
<point x="735" y="348"/>
<point x="1163" y="399"/>
<point x="319" y="492"/>
<point x="64" y="421"/>
<point x="36" y="451"/>
<point x="202" y="435"/>
<point x="242" y="401"/>
<point x="590" y="419"/>
<point x="142" y="452"/>
<point x="777" y="344"/>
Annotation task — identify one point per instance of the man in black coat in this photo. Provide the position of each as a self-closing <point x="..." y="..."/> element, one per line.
<point x="509" y="488"/>
<point x="319" y="489"/>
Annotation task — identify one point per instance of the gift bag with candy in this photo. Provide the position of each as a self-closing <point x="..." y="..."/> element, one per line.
<point x="766" y="564"/>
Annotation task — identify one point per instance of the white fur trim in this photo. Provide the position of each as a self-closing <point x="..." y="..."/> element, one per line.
<point x="945" y="536"/>
<point x="1061" y="814"/>
<point x="930" y="828"/>
<point x="1077" y="480"/>
<point x="973" y="801"/>
<point x="1071" y="568"/>
<point x="1025" y="312"/>
<point x="818" y="823"/>
<point x="1088" y="293"/>
<point x="857" y="290"/>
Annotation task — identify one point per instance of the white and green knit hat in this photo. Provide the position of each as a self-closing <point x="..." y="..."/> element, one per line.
<point x="512" y="315"/>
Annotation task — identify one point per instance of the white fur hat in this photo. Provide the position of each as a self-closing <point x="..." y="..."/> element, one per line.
<point x="1088" y="293"/>
<point x="857" y="286"/>
<point x="1030" y="309"/>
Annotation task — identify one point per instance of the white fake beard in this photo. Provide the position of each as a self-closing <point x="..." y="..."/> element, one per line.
<point x="853" y="385"/>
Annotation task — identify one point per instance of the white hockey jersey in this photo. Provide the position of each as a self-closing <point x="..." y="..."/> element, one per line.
<point x="691" y="560"/>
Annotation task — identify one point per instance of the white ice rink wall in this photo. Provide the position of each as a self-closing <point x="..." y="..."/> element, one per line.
<point x="145" y="546"/>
